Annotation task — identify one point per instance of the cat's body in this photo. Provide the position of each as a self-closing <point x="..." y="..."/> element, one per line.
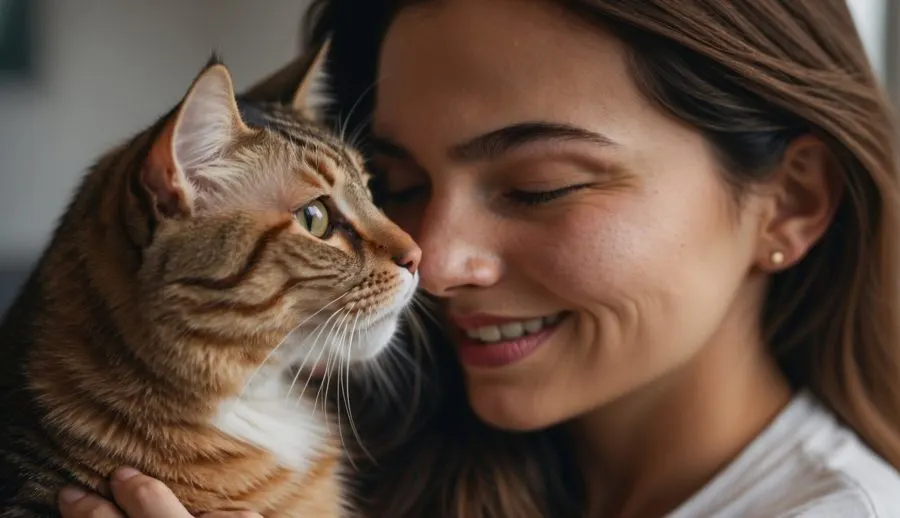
<point x="190" y="273"/>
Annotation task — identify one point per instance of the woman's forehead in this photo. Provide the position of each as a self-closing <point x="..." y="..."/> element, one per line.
<point x="464" y="68"/>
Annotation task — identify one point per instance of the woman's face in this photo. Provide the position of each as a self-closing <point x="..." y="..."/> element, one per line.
<point x="583" y="241"/>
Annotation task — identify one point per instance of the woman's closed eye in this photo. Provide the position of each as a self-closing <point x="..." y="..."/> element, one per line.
<point x="533" y="197"/>
<point x="411" y="194"/>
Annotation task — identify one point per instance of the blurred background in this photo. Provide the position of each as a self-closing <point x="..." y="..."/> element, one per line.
<point x="78" y="76"/>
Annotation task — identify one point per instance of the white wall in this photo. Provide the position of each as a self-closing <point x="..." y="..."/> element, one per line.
<point x="107" y="68"/>
<point x="871" y="20"/>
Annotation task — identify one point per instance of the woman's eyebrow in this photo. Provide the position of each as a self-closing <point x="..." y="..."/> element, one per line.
<point x="494" y="143"/>
<point x="497" y="142"/>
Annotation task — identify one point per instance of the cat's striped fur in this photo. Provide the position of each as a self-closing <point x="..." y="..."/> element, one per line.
<point x="160" y="325"/>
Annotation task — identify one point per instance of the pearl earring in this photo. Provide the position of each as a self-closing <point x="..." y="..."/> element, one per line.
<point x="777" y="258"/>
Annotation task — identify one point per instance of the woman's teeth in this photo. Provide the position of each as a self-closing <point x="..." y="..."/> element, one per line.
<point x="512" y="330"/>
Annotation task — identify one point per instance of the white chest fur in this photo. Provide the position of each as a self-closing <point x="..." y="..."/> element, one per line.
<point x="266" y="417"/>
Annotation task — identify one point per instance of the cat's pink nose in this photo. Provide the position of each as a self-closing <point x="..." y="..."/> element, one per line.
<point x="409" y="258"/>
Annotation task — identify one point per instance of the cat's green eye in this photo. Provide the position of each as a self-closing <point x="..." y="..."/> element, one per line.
<point x="315" y="219"/>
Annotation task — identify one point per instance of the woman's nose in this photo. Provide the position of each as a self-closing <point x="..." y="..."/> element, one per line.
<point x="457" y="253"/>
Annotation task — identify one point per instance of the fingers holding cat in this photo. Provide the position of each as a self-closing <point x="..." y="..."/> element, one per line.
<point x="231" y="514"/>
<point x="76" y="503"/>
<point x="138" y="495"/>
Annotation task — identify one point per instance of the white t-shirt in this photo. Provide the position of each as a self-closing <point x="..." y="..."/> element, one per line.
<point x="804" y="465"/>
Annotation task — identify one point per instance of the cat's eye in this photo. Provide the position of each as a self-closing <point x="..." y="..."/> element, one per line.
<point x="315" y="219"/>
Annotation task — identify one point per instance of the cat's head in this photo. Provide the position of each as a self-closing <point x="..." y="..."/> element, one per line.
<point x="266" y="241"/>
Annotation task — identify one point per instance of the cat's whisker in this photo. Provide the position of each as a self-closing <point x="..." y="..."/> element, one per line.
<point x="368" y="326"/>
<point x="400" y="362"/>
<point x="382" y="379"/>
<point x="325" y="344"/>
<point x="319" y="393"/>
<point x="418" y="336"/>
<point x="344" y="121"/>
<point x="329" y="365"/>
<point x="343" y="359"/>
<point x="339" y="340"/>
<point x="340" y="432"/>
<point x="309" y="379"/>
<point x="283" y="340"/>
<point x="420" y="309"/>
<point x="318" y="358"/>
<point x="427" y="306"/>
<point x="318" y="333"/>
<point x="346" y="407"/>
<point x="355" y="138"/>
<point x="347" y="400"/>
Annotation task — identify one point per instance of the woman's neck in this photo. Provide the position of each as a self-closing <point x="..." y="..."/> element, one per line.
<point x="649" y="451"/>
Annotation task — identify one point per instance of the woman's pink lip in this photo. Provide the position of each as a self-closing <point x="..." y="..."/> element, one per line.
<point x="499" y="354"/>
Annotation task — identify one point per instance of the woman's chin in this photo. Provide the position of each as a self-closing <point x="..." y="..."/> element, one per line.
<point x="506" y="411"/>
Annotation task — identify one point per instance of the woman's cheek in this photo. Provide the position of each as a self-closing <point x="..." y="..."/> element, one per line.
<point x="593" y="249"/>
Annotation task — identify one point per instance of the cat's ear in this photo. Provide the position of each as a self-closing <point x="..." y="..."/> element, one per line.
<point x="312" y="84"/>
<point x="192" y="141"/>
<point x="297" y="84"/>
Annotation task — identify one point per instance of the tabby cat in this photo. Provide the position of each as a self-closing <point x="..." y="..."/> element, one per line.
<point x="197" y="266"/>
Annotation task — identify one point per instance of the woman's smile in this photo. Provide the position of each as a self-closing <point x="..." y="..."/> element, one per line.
<point x="488" y="341"/>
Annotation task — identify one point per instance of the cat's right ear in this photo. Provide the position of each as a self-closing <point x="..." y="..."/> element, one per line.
<point x="191" y="144"/>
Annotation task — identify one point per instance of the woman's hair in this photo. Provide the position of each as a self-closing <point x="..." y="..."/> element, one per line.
<point x="751" y="76"/>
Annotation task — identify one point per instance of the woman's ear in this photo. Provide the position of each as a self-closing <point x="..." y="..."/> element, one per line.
<point x="295" y="85"/>
<point x="803" y="195"/>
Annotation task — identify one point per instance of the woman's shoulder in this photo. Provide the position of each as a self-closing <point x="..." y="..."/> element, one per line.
<point x="804" y="464"/>
<point x="848" y="480"/>
<point x="851" y="479"/>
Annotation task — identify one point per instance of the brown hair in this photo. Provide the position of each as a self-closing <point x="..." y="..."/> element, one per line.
<point x="751" y="76"/>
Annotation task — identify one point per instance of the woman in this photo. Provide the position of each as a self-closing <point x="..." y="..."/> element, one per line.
<point x="663" y="235"/>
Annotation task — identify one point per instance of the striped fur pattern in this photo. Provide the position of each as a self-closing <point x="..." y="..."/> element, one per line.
<point x="164" y="325"/>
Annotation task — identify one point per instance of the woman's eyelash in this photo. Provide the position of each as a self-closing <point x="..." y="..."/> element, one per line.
<point x="520" y="197"/>
<point x="531" y="198"/>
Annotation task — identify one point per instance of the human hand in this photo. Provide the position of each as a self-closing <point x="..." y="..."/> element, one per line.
<point x="138" y="496"/>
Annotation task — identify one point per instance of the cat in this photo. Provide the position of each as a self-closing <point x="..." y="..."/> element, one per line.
<point x="196" y="268"/>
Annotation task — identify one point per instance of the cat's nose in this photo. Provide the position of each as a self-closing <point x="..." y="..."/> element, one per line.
<point x="409" y="258"/>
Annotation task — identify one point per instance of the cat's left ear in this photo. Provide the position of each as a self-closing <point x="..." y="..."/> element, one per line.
<point x="297" y="84"/>
<point x="192" y="143"/>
